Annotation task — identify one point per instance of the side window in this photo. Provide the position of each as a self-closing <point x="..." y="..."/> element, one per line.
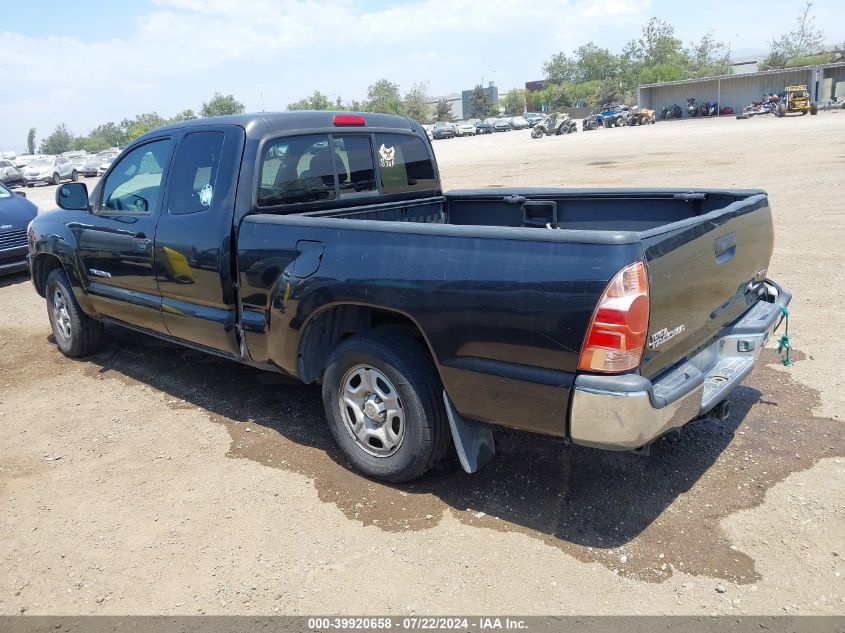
<point x="353" y="156"/>
<point x="134" y="184"/>
<point x="194" y="176"/>
<point x="297" y="169"/>
<point x="404" y="164"/>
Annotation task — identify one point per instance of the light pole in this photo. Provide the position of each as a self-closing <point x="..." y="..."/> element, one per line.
<point x="487" y="74"/>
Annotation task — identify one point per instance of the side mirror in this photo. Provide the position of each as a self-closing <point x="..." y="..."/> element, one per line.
<point x="72" y="196"/>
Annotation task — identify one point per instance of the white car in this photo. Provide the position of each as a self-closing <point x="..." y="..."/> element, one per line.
<point x="519" y="123"/>
<point x="51" y="169"/>
<point x="104" y="166"/>
<point x="464" y="128"/>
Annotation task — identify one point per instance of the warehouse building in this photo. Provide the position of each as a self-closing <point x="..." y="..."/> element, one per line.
<point x="826" y="84"/>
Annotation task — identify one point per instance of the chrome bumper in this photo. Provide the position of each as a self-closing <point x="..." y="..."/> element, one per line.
<point x="627" y="412"/>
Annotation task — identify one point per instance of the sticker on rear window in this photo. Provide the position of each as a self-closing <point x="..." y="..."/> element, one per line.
<point x="387" y="155"/>
<point x="206" y="195"/>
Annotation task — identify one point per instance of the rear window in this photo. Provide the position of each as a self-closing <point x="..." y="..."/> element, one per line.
<point x="354" y="161"/>
<point x="404" y="164"/>
<point x="297" y="169"/>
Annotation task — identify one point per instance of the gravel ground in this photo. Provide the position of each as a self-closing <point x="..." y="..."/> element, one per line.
<point x="152" y="479"/>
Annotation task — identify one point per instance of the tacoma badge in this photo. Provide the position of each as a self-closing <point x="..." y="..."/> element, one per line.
<point x="660" y="337"/>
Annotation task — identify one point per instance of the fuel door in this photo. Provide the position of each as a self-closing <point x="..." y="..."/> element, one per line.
<point x="308" y="257"/>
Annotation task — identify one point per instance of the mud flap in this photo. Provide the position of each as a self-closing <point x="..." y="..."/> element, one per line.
<point x="475" y="445"/>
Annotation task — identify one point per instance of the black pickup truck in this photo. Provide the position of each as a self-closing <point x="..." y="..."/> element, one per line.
<point x="321" y="245"/>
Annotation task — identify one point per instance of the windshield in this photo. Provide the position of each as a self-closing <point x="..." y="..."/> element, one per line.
<point x="42" y="162"/>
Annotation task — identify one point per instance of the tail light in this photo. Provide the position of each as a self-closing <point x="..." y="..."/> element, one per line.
<point x="617" y="333"/>
<point x="348" y="119"/>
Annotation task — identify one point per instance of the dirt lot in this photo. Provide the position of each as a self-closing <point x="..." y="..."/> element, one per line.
<point x="152" y="479"/>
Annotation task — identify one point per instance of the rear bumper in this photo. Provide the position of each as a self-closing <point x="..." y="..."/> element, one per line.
<point x="629" y="411"/>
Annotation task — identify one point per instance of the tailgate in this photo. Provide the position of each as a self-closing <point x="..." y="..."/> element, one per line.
<point x="699" y="273"/>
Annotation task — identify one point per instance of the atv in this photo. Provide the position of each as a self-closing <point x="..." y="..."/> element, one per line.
<point x="796" y="99"/>
<point x="554" y="125"/>
<point x="709" y="108"/>
<point x="692" y="107"/>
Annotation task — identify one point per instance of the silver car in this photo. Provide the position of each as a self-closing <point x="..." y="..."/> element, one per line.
<point x="52" y="170"/>
<point x="92" y="164"/>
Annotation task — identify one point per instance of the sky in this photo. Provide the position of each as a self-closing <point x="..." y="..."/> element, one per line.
<point x="86" y="63"/>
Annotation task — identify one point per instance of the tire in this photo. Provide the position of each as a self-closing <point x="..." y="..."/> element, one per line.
<point x="535" y="133"/>
<point x="74" y="175"/>
<point x="56" y="180"/>
<point x="742" y="116"/>
<point x="814" y="109"/>
<point x="781" y="111"/>
<point x="398" y="365"/>
<point x="29" y="185"/>
<point x="75" y="332"/>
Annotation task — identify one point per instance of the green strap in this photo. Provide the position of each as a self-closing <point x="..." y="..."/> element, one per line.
<point x="783" y="342"/>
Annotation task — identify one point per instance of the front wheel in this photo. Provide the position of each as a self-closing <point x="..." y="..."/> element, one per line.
<point x="75" y="332"/>
<point x="74" y="175"/>
<point x="382" y="398"/>
<point x="535" y="133"/>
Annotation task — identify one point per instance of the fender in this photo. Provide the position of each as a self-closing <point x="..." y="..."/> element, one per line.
<point x="56" y="240"/>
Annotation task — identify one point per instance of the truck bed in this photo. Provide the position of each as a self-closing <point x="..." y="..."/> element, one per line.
<point x="503" y="282"/>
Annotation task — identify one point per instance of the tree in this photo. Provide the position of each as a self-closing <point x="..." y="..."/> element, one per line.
<point x="30" y="141"/>
<point x="184" y="115"/>
<point x="317" y="101"/>
<point x="592" y="62"/>
<point x="383" y="96"/>
<point x="804" y="40"/>
<point x="515" y="101"/>
<point x="61" y="140"/>
<point x="220" y="105"/>
<point x="608" y="92"/>
<point x="707" y="58"/>
<point x="141" y="124"/>
<point x="560" y="68"/>
<point x="415" y="103"/>
<point x="478" y="106"/>
<point x="443" y="110"/>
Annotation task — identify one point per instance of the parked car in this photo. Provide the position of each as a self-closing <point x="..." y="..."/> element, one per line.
<point x="418" y="312"/>
<point x="464" y="128"/>
<point x="482" y="127"/>
<point x="502" y="125"/>
<point x="533" y="118"/>
<point x="25" y="159"/>
<point x="16" y="212"/>
<point x="51" y="170"/>
<point x="105" y="164"/>
<point x="518" y="123"/>
<point x="10" y="176"/>
<point x="92" y="163"/>
<point x="442" y="129"/>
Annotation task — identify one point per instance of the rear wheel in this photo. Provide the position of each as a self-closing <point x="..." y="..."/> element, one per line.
<point x="56" y="179"/>
<point x="74" y="175"/>
<point x="781" y="111"/>
<point x="814" y="109"/>
<point x="382" y="398"/>
<point x="75" y="332"/>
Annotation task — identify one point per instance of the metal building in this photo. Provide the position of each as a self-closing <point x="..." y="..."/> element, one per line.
<point x="824" y="82"/>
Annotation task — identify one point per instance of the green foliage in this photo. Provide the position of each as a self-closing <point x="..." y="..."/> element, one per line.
<point x="317" y="101"/>
<point x="478" y="106"/>
<point x="184" y="115"/>
<point x="30" y="141"/>
<point x="443" y="111"/>
<point x="515" y="101"/>
<point x="61" y="140"/>
<point x="802" y="41"/>
<point x="554" y="97"/>
<point x="220" y="105"/>
<point x="415" y="103"/>
<point x="141" y="124"/>
<point x="809" y="60"/>
<point x="598" y="75"/>
<point x="383" y="96"/>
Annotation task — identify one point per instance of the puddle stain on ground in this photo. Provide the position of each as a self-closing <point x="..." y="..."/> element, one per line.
<point x="660" y="512"/>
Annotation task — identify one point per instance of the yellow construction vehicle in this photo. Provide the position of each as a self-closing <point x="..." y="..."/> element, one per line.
<point x="796" y="99"/>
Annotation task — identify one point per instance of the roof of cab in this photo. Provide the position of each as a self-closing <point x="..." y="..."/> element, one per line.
<point x="259" y="124"/>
